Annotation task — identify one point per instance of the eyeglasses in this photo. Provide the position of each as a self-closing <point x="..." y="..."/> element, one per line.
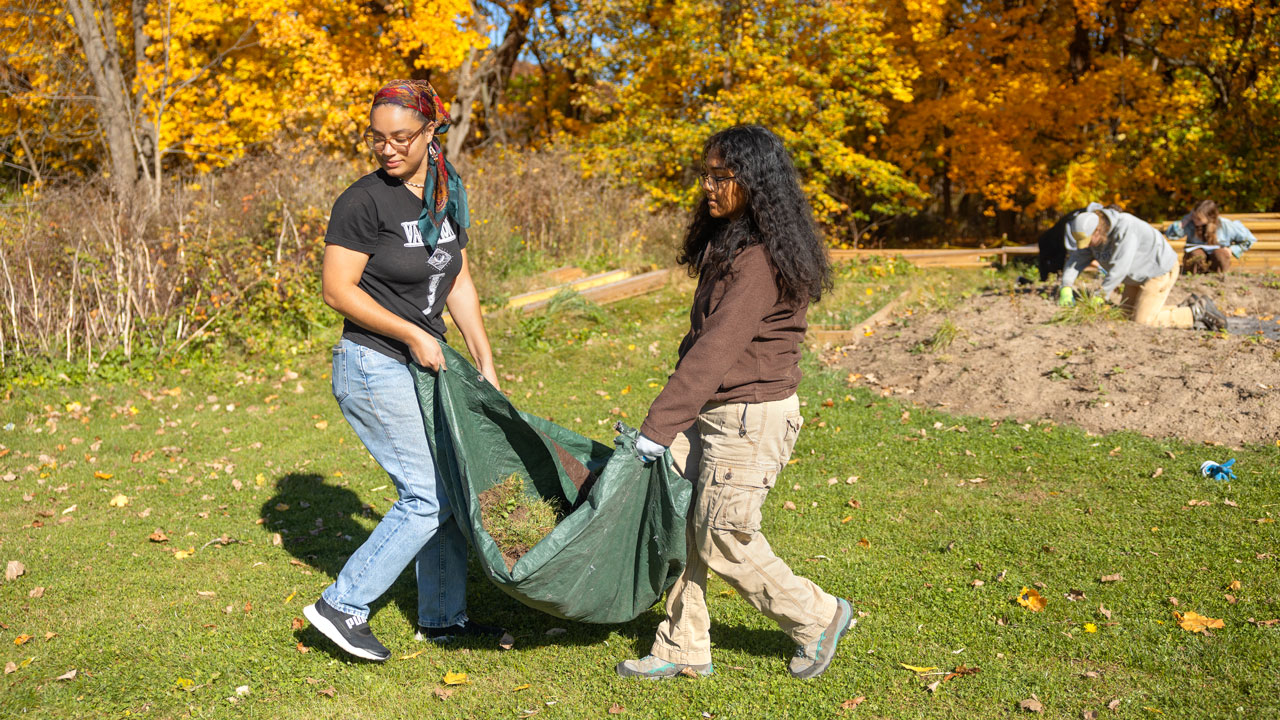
<point x="713" y="182"/>
<point x="401" y="145"/>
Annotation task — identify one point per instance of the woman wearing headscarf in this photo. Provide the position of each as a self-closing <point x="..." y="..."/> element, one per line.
<point x="1135" y="255"/>
<point x="1213" y="241"/>
<point x="394" y="259"/>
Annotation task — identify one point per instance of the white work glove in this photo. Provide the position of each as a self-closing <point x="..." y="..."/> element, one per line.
<point x="648" y="450"/>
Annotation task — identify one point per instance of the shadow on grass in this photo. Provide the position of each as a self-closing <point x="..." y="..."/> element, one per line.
<point x="321" y="526"/>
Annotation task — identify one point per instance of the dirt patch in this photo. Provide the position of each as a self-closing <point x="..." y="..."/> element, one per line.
<point x="1001" y="355"/>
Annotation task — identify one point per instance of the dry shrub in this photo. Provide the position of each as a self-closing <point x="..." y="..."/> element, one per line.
<point x="231" y="260"/>
<point x="534" y="210"/>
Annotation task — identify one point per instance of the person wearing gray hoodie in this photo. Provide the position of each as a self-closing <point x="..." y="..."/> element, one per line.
<point x="1133" y="254"/>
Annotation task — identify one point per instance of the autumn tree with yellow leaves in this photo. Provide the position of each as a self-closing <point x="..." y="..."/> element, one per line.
<point x="199" y="84"/>
<point x="919" y="118"/>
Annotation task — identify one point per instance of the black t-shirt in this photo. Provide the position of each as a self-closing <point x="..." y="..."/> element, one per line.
<point x="378" y="216"/>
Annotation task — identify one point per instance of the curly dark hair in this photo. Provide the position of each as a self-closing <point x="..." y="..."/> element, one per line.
<point x="777" y="216"/>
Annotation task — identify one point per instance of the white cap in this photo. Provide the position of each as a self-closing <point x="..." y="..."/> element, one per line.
<point x="1082" y="227"/>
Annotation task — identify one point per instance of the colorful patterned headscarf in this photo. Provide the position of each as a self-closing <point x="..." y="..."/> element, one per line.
<point x="443" y="194"/>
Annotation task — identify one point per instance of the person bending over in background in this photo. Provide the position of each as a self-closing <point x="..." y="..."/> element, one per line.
<point x="1136" y="255"/>
<point x="730" y="413"/>
<point x="1212" y="240"/>
<point x="394" y="258"/>
<point x="1053" y="243"/>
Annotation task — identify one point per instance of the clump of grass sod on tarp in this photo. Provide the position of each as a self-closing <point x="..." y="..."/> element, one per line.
<point x="514" y="519"/>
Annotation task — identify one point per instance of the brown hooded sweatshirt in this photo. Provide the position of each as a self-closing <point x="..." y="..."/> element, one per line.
<point x="743" y="345"/>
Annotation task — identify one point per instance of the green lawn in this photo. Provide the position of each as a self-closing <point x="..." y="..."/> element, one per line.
<point x="222" y="460"/>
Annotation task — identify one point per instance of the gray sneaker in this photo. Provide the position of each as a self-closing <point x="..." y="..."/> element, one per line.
<point x="652" y="667"/>
<point x="812" y="660"/>
<point x="1207" y="315"/>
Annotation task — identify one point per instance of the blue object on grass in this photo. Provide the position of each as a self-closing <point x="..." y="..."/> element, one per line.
<point x="1211" y="469"/>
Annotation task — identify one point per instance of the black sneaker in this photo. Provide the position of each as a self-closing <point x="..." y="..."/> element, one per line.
<point x="465" y="629"/>
<point x="346" y="631"/>
<point x="1207" y="315"/>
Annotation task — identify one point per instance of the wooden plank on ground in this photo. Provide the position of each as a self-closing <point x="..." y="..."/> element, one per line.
<point x="620" y="289"/>
<point x="826" y="336"/>
<point x="536" y="296"/>
<point x="558" y="276"/>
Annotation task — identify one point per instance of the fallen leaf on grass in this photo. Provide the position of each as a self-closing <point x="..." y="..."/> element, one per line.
<point x="961" y="671"/>
<point x="976" y="584"/>
<point x="442" y="693"/>
<point x="1173" y="601"/>
<point x="303" y="648"/>
<point x="690" y="673"/>
<point x="36" y="592"/>
<point x="412" y="655"/>
<point x="788" y="505"/>
<point x="853" y="703"/>
<point x="322" y="424"/>
<point x="1235" y="585"/>
<point x="1111" y="578"/>
<point x="1089" y="715"/>
<point x="864" y="543"/>
<point x="616" y="709"/>
<point x="10" y="667"/>
<point x="1031" y="600"/>
<point x="1031" y="704"/>
<point x="1159" y="471"/>
<point x="1231" y="599"/>
<point x="1091" y="675"/>
<point x="518" y="688"/>
<point x="1074" y="595"/>
<point x="917" y="668"/>
<point x="297" y="624"/>
<point x="1265" y="623"/>
<point x="855" y="504"/>
<point x="184" y="554"/>
<point x="102" y="475"/>
<point x="68" y="675"/>
<point x="1104" y="612"/>
<point x="1197" y="623"/>
<point x="13" y="570"/>
<point x="327" y="692"/>
<point x="158" y="536"/>
<point x="455" y="678"/>
<point x="21" y="639"/>
<point x="118" y="501"/>
<point x="281" y="507"/>
<point x="1113" y="704"/>
<point x="933" y="686"/>
<point x="507" y="642"/>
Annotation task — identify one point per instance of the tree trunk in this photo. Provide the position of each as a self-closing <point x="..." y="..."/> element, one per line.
<point x="97" y="36"/>
<point x="469" y="83"/>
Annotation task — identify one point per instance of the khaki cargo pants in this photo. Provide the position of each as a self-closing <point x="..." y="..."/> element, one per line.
<point x="1145" y="303"/>
<point x="732" y="454"/>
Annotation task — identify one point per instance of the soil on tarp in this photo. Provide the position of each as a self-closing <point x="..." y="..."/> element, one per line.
<point x="1008" y="358"/>
<point x="515" y="520"/>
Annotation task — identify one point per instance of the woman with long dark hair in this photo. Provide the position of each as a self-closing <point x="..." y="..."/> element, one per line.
<point x="395" y="257"/>
<point x="729" y="413"/>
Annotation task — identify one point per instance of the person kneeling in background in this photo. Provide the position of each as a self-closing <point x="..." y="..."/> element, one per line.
<point x="1212" y="240"/>
<point x="1137" y="255"/>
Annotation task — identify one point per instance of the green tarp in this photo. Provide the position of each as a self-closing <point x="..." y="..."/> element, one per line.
<point x="612" y="556"/>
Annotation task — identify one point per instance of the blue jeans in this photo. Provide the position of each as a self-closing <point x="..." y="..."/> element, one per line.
<point x="378" y="398"/>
